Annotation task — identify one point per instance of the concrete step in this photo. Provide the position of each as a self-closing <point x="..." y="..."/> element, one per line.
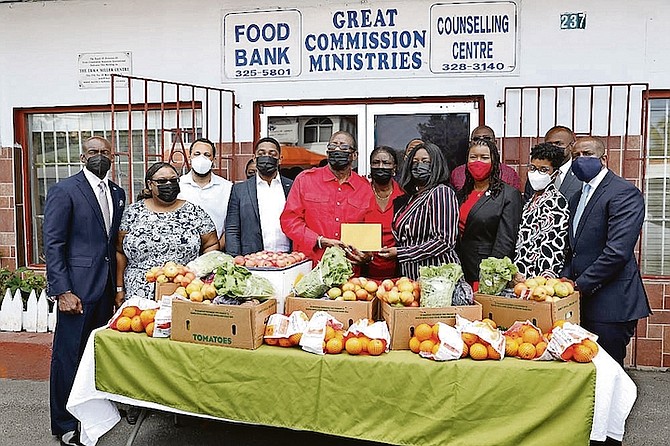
<point x="25" y="356"/>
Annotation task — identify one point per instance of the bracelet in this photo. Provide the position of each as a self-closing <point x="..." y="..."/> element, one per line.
<point x="318" y="242"/>
<point x="119" y="289"/>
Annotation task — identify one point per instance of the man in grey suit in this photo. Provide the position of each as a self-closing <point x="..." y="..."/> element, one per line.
<point x="252" y="221"/>
<point x="566" y="181"/>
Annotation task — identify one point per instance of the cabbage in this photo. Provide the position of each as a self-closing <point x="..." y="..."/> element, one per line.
<point x="495" y="274"/>
<point x="438" y="283"/>
<point x="208" y="263"/>
<point x="332" y="270"/>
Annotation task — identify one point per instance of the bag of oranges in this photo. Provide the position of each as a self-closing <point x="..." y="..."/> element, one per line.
<point x="321" y="326"/>
<point x="572" y="342"/>
<point x="285" y="331"/>
<point x="374" y="337"/>
<point x="526" y="341"/>
<point x="481" y="339"/>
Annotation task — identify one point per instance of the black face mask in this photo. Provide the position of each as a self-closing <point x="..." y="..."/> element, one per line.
<point x="267" y="165"/>
<point x="338" y="159"/>
<point x="381" y="175"/>
<point x="99" y="165"/>
<point x="421" y="173"/>
<point x="168" y="192"/>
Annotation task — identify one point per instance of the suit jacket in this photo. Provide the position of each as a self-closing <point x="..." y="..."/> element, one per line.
<point x="243" y="222"/>
<point x="80" y="255"/>
<point x="490" y="230"/>
<point x="601" y="258"/>
<point x="569" y="187"/>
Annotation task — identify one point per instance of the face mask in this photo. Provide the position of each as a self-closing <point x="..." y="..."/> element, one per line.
<point x="421" y="172"/>
<point x="586" y="167"/>
<point x="267" y="165"/>
<point x="98" y="165"/>
<point x="338" y="159"/>
<point x="479" y="170"/>
<point x="539" y="181"/>
<point x="381" y="175"/>
<point x="168" y="192"/>
<point x="201" y="164"/>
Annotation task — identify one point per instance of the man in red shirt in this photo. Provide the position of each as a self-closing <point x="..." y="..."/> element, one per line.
<point x="507" y="174"/>
<point x="324" y="197"/>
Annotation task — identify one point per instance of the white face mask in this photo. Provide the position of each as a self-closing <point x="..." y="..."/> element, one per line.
<point x="201" y="164"/>
<point x="539" y="181"/>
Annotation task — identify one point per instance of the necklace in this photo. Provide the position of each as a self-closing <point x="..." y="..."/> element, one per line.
<point x="374" y="189"/>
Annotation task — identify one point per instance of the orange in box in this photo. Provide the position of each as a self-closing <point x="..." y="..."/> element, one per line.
<point x="402" y="320"/>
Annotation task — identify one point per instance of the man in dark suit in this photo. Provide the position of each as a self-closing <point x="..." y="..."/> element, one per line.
<point x="252" y="221"/>
<point x="566" y="181"/>
<point x="605" y="222"/>
<point x="81" y="220"/>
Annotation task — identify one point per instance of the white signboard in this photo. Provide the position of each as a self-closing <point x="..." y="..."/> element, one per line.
<point x="371" y="40"/>
<point x="473" y="37"/>
<point x="260" y="45"/>
<point x="95" y="68"/>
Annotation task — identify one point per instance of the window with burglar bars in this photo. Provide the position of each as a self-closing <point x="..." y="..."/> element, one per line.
<point x="55" y="147"/>
<point x="656" y="231"/>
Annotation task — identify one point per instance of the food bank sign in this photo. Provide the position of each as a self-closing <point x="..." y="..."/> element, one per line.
<point x="403" y="40"/>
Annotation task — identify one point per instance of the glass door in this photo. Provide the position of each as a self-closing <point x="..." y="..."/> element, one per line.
<point x="304" y="131"/>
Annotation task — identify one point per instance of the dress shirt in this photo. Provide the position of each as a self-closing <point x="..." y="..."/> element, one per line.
<point x="271" y="201"/>
<point x="213" y="197"/>
<point x="595" y="182"/>
<point x="93" y="180"/>
<point x="562" y="172"/>
<point x="318" y="204"/>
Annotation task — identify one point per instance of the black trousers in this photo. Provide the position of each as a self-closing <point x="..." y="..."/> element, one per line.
<point x="72" y="331"/>
<point x="612" y="336"/>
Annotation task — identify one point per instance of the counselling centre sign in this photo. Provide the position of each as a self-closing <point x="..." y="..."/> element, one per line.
<point x="395" y="39"/>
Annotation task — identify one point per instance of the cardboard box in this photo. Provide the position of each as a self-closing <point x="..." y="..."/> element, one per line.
<point x="165" y="289"/>
<point x="505" y="311"/>
<point x="224" y="325"/>
<point x="345" y="311"/>
<point x="282" y="279"/>
<point x="402" y="320"/>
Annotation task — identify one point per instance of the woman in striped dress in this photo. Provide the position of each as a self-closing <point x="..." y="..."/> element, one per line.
<point x="425" y="221"/>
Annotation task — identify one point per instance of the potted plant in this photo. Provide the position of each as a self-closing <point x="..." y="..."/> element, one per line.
<point x="22" y="279"/>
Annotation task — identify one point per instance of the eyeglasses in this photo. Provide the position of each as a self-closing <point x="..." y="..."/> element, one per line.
<point x="166" y="180"/>
<point x="385" y="163"/>
<point x="343" y="147"/>
<point x="543" y="169"/>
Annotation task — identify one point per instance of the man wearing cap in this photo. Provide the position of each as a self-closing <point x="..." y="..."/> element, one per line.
<point x="322" y="198"/>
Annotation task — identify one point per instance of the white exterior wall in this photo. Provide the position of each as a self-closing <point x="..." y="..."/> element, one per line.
<point x="182" y="41"/>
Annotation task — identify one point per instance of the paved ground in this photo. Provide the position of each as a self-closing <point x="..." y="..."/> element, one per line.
<point x="24" y="421"/>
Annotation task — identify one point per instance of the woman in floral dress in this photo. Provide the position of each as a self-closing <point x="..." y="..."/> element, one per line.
<point x="159" y="228"/>
<point x="543" y="232"/>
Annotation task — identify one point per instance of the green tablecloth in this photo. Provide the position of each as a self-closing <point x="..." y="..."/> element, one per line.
<point x="396" y="398"/>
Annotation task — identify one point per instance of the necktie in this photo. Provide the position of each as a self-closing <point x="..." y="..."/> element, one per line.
<point x="104" y="205"/>
<point x="580" y="207"/>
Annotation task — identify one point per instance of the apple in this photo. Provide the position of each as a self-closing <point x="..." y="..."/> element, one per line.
<point x="562" y="289"/>
<point x="519" y="288"/>
<point x="170" y="271"/>
<point x="249" y="263"/>
<point x="393" y="296"/>
<point x="406" y="297"/>
<point x="532" y="283"/>
<point x="539" y="294"/>
<point x="361" y="294"/>
<point x="349" y="295"/>
<point x="387" y="284"/>
<point x="239" y="260"/>
<point x="552" y="282"/>
<point x="334" y="293"/>
<point x="371" y="286"/>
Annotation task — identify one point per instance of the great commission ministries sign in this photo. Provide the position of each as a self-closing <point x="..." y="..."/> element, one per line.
<point x="408" y="39"/>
